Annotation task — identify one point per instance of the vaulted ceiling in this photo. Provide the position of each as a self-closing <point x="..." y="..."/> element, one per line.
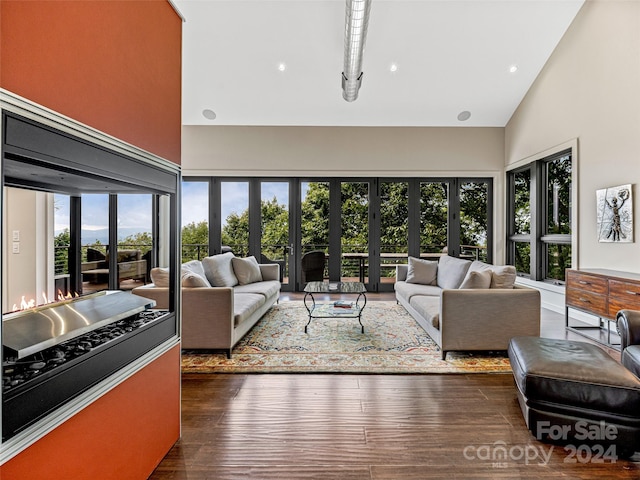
<point x="279" y="62"/>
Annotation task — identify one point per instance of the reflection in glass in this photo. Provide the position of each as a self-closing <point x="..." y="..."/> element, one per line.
<point x="274" y="222"/>
<point x="195" y="220"/>
<point x="559" y="196"/>
<point x="474" y="198"/>
<point x="523" y="257"/>
<point x="135" y="239"/>
<point x="394" y="228"/>
<point x="95" y="242"/>
<point x="434" y="205"/>
<point x="522" y="191"/>
<point x="235" y="217"/>
<point x="355" y="230"/>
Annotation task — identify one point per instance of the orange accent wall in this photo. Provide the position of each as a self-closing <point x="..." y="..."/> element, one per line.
<point x="123" y="435"/>
<point x="113" y="65"/>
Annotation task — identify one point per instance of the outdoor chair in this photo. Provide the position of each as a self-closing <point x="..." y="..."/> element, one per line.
<point x="313" y="266"/>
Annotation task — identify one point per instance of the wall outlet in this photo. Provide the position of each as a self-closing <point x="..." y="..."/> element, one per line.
<point x="16" y="235"/>
<point x="16" y="247"/>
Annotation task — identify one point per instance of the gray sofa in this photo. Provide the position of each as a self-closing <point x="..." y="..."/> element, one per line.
<point x="222" y="298"/>
<point x="467" y="306"/>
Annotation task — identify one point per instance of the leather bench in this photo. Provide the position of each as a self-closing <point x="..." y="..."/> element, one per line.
<point x="573" y="392"/>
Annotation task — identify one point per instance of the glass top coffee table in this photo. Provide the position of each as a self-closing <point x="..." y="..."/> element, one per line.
<point x="338" y="308"/>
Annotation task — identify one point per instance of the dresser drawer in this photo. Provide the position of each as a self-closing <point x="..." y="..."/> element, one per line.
<point x="588" y="301"/>
<point x="623" y="295"/>
<point x="586" y="282"/>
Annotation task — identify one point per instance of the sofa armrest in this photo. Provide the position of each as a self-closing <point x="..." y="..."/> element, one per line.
<point x="207" y="317"/>
<point x="93" y="265"/>
<point x="401" y="272"/>
<point x="270" y="271"/>
<point x="628" y="327"/>
<point x="477" y="317"/>
<point x="159" y="294"/>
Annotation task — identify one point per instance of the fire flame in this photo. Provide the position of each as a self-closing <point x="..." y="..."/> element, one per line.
<point x="31" y="303"/>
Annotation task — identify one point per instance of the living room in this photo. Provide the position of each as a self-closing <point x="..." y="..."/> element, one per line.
<point x="585" y="99"/>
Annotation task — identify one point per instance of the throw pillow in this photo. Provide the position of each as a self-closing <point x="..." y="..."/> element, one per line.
<point x="478" y="279"/>
<point x="421" y="271"/>
<point x="503" y="277"/>
<point x="451" y="271"/>
<point x="160" y="277"/>
<point x="190" y="279"/>
<point x="219" y="271"/>
<point x="195" y="266"/>
<point x="246" y="270"/>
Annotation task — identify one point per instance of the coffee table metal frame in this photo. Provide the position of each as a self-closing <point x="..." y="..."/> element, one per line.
<point x="328" y="310"/>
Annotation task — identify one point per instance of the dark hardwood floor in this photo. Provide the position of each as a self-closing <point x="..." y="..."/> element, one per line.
<point x="244" y="426"/>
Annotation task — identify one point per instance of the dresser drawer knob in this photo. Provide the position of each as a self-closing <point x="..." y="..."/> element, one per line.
<point x="585" y="300"/>
<point x="582" y="282"/>
<point x="633" y="293"/>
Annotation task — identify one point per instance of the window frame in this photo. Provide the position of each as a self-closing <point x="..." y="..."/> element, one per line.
<point x="539" y="238"/>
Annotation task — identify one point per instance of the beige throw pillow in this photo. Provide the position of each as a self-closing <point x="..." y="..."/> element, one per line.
<point x="503" y="277"/>
<point x="190" y="279"/>
<point x="160" y="277"/>
<point x="477" y="279"/>
<point x="246" y="270"/>
<point x="219" y="271"/>
<point x="421" y="271"/>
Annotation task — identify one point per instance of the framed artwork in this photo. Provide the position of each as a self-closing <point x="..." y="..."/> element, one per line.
<point x="615" y="214"/>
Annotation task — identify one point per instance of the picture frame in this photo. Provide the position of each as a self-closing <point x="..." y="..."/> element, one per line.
<point x="614" y="214"/>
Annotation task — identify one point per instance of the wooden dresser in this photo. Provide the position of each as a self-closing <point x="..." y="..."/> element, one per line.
<point x="602" y="293"/>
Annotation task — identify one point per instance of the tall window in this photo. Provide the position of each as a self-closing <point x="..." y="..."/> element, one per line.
<point x="539" y="242"/>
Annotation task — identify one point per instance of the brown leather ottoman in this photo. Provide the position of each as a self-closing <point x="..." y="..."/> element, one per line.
<point x="574" y="393"/>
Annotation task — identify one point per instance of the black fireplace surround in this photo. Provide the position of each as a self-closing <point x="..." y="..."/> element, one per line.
<point x="39" y="378"/>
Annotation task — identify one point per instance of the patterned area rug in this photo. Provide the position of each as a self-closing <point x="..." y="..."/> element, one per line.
<point x="392" y="342"/>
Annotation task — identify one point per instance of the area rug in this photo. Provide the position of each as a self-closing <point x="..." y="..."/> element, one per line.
<point x="392" y="342"/>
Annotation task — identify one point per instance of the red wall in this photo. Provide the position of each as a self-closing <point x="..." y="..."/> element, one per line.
<point x="121" y="436"/>
<point x="113" y="65"/>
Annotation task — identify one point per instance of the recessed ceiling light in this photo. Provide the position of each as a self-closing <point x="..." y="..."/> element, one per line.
<point x="393" y="67"/>
<point x="513" y="68"/>
<point x="282" y="66"/>
<point x="464" y="116"/>
<point x="209" y="114"/>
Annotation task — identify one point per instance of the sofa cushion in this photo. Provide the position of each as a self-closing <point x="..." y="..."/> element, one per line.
<point x="409" y="290"/>
<point x="451" y="271"/>
<point x="421" y="271"/>
<point x="245" y="304"/>
<point x="428" y="308"/>
<point x="267" y="288"/>
<point x="503" y="277"/>
<point x="190" y="279"/>
<point x="219" y="270"/>
<point x="195" y="267"/>
<point x="477" y="280"/>
<point x="246" y="270"/>
<point x="160" y="276"/>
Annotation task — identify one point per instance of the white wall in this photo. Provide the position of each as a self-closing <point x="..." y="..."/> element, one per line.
<point x="589" y="90"/>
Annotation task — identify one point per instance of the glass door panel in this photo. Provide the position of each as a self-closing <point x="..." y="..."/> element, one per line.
<point x="434" y="214"/>
<point x="354" y="239"/>
<point x="135" y="240"/>
<point x="314" y="229"/>
<point x="474" y="204"/>
<point x="195" y="220"/>
<point x="394" y="228"/>
<point x="274" y="232"/>
<point x="234" y="205"/>
<point x="95" y="242"/>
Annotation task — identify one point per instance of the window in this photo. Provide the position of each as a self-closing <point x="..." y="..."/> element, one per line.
<point x="539" y="215"/>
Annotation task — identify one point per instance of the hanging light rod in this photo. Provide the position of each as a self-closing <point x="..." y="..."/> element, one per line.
<point x="355" y="33"/>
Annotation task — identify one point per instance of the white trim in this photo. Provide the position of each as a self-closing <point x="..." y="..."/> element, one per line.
<point x="32" y="434"/>
<point x="11" y="102"/>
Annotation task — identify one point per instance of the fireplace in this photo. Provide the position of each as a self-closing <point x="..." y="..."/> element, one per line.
<point x="53" y="353"/>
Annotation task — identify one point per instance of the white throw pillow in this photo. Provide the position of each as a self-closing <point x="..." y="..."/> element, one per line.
<point x="477" y="279"/>
<point x="160" y="277"/>
<point x="195" y="266"/>
<point x="246" y="270"/>
<point x="420" y="271"/>
<point x="451" y="271"/>
<point x="219" y="271"/>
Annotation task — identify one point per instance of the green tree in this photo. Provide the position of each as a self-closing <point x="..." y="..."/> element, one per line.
<point x="195" y="241"/>
<point x="141" y="241"/>
<point x="61" y="244"/>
